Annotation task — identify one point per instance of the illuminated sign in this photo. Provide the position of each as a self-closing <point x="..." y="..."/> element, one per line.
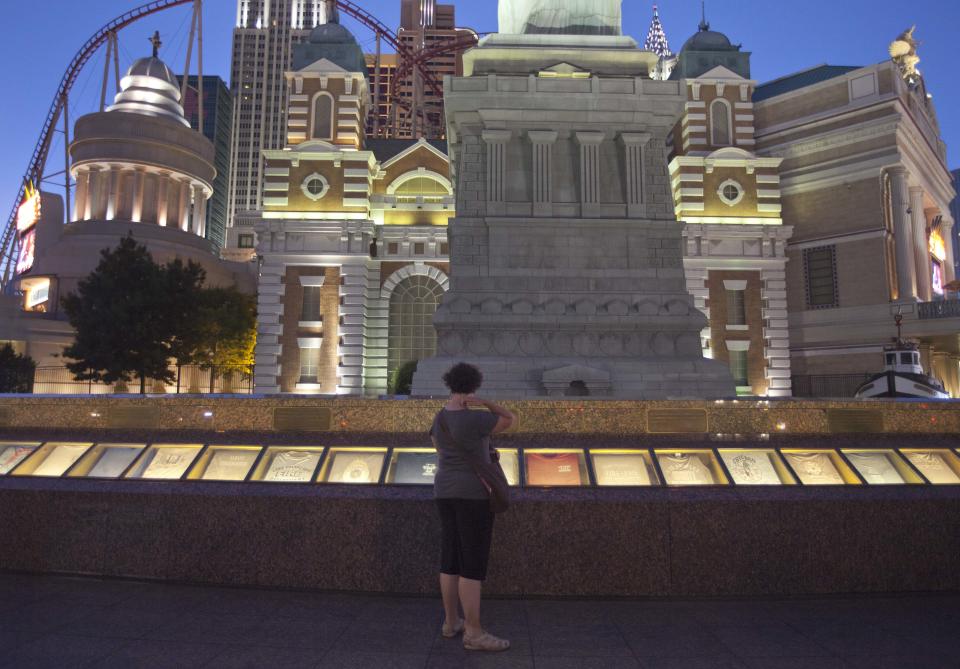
<point x="37" y="293"/>
<point x="28" y="245"/>
<point x="937" y="278"/>
<point x="938" y="248"/>
<point x="29" y="212"/>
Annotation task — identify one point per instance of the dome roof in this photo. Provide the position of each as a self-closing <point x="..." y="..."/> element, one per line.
<point x="333" y="42"/>
<point x="150" y="88"/>
<point x="709" y="40"/>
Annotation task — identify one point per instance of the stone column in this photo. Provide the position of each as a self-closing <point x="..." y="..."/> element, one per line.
<point x="81" y="203"/>
<point x="270" y="294"/>
<point x="949" y="270"/>
<point x="496" y="141"/>
<point x="113" y="193"/>
<point x="97" y="200"/>
<point x="163" y="201"/>
<point x="633" y="146"/>
<point x="903" y="232"/>
<point x="921" y="245"/>
<point x="183" y="208"/>
<point x="589" y="171"/>
<point x="199" y="212"/>
<point x="136" y="210"/>
<point x="542" y="141"/>
<point x="353" y="288"/>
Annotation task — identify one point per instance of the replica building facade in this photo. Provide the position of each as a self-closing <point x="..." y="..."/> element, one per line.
<point x="352" y="236"/>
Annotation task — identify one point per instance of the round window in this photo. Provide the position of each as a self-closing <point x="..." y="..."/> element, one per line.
<point x="315" y="187"/>
<point x="730" y="192"/>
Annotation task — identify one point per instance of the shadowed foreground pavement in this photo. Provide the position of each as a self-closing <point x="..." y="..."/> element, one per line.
<point x="60" y="622"/>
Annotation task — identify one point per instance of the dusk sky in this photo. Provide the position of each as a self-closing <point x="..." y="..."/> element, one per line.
<point x="783" y="37"/>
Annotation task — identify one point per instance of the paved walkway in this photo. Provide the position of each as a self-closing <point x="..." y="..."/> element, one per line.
<point x="62" y="622"/>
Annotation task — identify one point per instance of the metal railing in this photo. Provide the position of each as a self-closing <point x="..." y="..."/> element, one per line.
<point x="940" y="309"/>
<point x="828" y="385"/>
<point x="190" y="379"/>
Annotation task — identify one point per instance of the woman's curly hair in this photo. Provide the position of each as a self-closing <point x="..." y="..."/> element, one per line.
<point x="463" y="379"/>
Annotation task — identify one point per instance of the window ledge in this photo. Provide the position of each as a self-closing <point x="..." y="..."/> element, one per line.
<point x="312" y="387"/>
<point x="310" y="324"/>
<point x="738" y="328"/>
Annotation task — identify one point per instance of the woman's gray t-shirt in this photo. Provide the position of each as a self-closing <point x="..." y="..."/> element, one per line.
<point x="471" y="430"/>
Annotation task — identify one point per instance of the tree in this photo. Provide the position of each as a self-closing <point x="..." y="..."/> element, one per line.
<point x="402" y="381"/>
<point x="16" y="371"/>
<point x="127" y="315"/>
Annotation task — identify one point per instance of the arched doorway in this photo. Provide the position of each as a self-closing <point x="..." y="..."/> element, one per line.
<point x="411" y="336"/>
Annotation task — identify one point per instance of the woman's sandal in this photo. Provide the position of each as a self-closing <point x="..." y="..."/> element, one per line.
<point x="485" y="642"/>
<point x="449" y="633"/>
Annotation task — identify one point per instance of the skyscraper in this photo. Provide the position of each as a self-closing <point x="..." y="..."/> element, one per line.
<point x="262" y="41"/>
<point x="217" y="127"/>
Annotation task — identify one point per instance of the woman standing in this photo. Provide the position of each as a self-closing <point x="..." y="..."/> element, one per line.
<point x="466" y="520"/>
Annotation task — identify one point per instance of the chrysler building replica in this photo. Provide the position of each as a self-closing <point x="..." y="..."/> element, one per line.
<point x="567" y="274"/>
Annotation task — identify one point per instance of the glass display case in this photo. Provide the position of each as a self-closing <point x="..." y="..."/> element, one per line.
<point x="12" y="454"/>
<point x="938" y="466"/>
<point x="355" y="466"/>
<point x="690" y="467"/>
<point x="412" y="466"/>
<point x="225" y="463"/>
<point x="819" y="467"/>
<point x="106" y="461"/>
<point x="881" y="467"/>
<point x="288" y="464"/>
<point x="510" y="462"/>
<point x="756" y="466"/>
<point x="555" y="468"/>
<point x="164" y="462"/>
<point x="53" y="459"/>
<point x="623" y="468"/>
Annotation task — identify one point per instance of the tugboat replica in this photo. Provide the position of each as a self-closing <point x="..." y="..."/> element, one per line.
<point x="902" y="375"/>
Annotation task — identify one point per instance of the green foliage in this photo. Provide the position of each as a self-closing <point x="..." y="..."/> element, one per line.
<point x="16" y="371"/>
<point x="132" y="316"/>
<point x="402" y="381"/>
<point x="226" y="328"/>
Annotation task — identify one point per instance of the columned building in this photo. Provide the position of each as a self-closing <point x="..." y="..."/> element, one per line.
<point x="352" y="235"/>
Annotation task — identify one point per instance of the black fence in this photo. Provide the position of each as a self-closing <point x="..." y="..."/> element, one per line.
<point x="190" y="379"/>
<point x="828" y="385"/>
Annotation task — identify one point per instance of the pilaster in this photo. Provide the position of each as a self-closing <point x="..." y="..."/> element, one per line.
<point x="634" y="145"/>
<point x="496" y="142"/>
<point x="906" y="272"/>
<point x="921" y="245"/>
<point x="589" y="171"/>
<point x="542" y="142"/>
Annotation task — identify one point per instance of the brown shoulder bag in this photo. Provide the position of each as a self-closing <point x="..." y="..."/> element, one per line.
<point x="491" y="474"/>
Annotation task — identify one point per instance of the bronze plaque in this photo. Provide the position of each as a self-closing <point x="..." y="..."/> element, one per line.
<point x="133" y="417"/>
<point x="845" y="421"/>
<point x="677" y="421"/>
<point x="301" y="419"/>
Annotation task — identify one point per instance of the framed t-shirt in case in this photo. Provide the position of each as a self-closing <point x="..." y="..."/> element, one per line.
<point x="623" y="468"/>
<point x="356" y="466"/>
<point x="288" y="464"/>
<point x="555" y="468"/>
<point x="412" y="467"/>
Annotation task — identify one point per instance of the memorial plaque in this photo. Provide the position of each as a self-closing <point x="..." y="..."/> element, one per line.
<point x="677" y="421"/>
<point x="845" y="421"/>
<point x="133" y="417"/>
<point x="301" y="419"/>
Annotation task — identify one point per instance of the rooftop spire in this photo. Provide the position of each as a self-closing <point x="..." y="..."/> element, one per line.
<point x="704" y="24"/>
<point x="155" y="41"/>
<point x="329" y="12"/>
<point x="656" y="37"/>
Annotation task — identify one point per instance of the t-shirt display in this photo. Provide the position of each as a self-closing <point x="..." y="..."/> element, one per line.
<point x="751" y="468"/>
<point x="876" y="468"/>
<point x="685" y="469"/>
<point x="229" y="465"/>
<point x="620" y="469"/>
<point x="114" y="461"/>
<point x="553" y="469"/>
<point x="12" y="455"/>
<point x="293" y="466"/>
<point x="60" y="459"/>
<point x="815" y="468"/>
<point x="934" y="467"/>
<point x="355" y="467"/>
<point x="170" y="463"/>
<point x="510" y="462"/>
<point x="415" y="468"/>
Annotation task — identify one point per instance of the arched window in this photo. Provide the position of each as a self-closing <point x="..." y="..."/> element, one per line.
<point x="411" y="335"/>
<point x="323" y="117"/>
<point x="412" y="186"/>
<point x="720" y="123"/>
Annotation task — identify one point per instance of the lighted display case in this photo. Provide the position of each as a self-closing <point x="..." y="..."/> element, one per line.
<point x="412" y="466"/>
<point x="612" y="468"/>
<point x="756" y="466"/>
<point x="510" y="463"/>
<point x="53" y="459"/>
<point x="225" y="463"/>
<point x="164" y="462"/>
<point x="355" y="466"/>
<point x="938" y="466"/>
<point x="106" y="461"/>
<point x="555" y="468"/>
<point x="12" y="454"/>
<point x="881" y="467"/>
<point x="819" y="467"/>
<point x="690" y="467"/>
<point x="289" y="464"/>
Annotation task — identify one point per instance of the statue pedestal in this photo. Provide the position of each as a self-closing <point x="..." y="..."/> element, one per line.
<point x="566" y="259"/>
<point x="531" y="54"/>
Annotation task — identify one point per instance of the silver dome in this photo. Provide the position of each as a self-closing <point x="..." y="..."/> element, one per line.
<point x="151" y="89"/>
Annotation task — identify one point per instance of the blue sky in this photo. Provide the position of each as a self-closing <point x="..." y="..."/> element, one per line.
<point x="784" y="37"/>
